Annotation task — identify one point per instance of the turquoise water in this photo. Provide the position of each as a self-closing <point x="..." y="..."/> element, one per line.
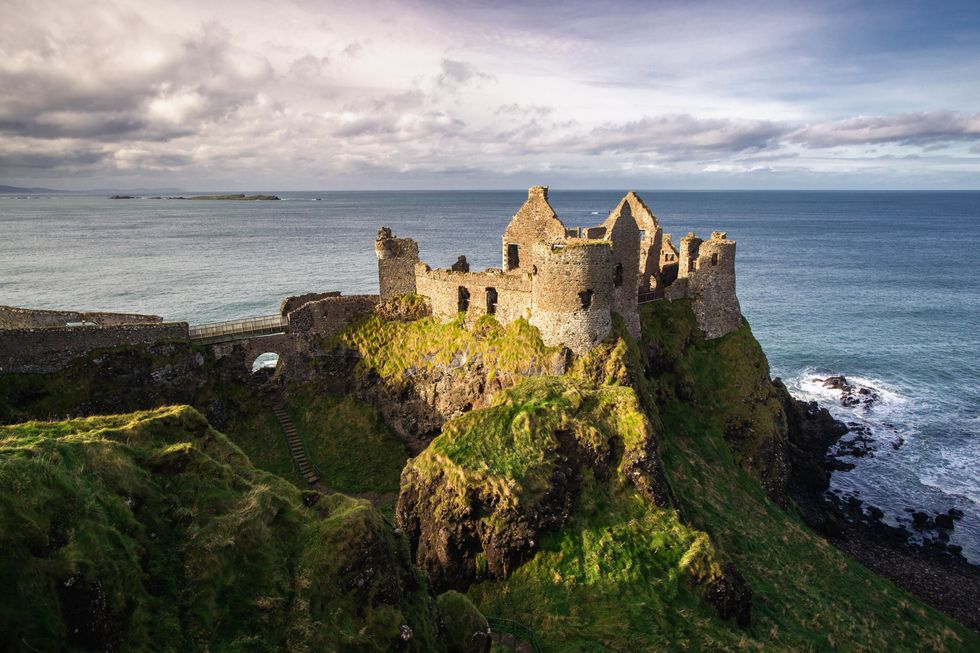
<point x="879" y="286"/>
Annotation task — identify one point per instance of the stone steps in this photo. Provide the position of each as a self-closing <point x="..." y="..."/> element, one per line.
<point x="296" y="448"/>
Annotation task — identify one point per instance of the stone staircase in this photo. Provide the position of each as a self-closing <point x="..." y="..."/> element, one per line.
<point x="296" y="448"/>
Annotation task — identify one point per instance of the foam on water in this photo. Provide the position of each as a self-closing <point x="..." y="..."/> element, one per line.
<point x="908" y="466"/>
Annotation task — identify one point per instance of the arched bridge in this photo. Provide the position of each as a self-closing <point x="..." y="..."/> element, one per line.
<point x="244" y="329"/>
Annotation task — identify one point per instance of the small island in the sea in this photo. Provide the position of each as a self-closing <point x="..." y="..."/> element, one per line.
<point x="233" y="196"/>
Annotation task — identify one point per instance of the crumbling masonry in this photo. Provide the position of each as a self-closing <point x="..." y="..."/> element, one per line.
<point x="569" y="281"/>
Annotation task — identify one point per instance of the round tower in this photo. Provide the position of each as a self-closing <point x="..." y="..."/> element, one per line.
<point x="571" y="293"/>
<point x="711" y="287"/>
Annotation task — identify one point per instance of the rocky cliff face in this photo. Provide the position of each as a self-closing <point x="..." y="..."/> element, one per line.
<point x="476" y="503"/>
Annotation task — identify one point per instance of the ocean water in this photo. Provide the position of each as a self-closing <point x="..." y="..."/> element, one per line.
<point x="882" y="287"/>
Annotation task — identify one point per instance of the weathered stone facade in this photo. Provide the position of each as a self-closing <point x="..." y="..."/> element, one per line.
<point x="707" y="275"/>
<point x="568" y="281"/>
<point x="396" y="264"/>
<point x="50" y="349"/>
<point x="12" y="317"/>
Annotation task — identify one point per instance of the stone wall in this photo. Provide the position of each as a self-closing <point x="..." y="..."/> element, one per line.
<point x="566" y="274"/>
<point x="707" y="278"/>
<point x="441" y="287"/>
<point x="396" y="264"/>
<point x="51" y="349"/>
<point x="329" y="316"/>
<point x="12" y="317"/>
<point x="535" y="222"/>
<point x="290" y="304"/>
<point x="711" y="287"/>
<point x="624" y="234"/>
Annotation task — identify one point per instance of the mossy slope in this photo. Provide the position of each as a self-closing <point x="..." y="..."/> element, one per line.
<point x="152" y="531"/>
<point x="615" y="571"/>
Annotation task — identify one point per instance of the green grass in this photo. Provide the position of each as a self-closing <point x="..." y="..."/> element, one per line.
<point x="351" y="446"/>
<point x="617" y="576"/>
<point x="617" y="543"/>
<point x="808" y="595"/>
<point x="152" y="531"/>
<point x="391" y="348"/>
<point x="349" y="442"/>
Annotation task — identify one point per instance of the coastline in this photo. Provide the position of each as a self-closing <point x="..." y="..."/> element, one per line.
<point x="940" y="577"/>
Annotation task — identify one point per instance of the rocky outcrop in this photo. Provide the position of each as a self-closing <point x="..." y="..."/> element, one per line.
<point x="469" y="519"/>
<point x="811" y="430"/>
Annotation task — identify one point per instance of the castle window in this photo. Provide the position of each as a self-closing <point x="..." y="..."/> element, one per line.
<point x="714" y="258"/>
<point x="513" y="257"/>
<point x="491" y="301"/>
<point x="618" y="275"/>
<point x="690" y="265"/>
<point x="586" y="297"/>
<point x="463" y="299"/>
<point x="643" y="234"/>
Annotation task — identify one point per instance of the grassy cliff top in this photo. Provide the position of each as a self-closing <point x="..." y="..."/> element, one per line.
<point x="152" y="531"/>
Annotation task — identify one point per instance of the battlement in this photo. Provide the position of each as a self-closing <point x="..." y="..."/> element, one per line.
<point x="568" y="281"/>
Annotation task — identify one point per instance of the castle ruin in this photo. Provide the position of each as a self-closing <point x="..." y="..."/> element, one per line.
<point x="568" y="282"/>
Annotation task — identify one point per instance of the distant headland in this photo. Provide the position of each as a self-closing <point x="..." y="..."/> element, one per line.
<point x="233" y="196"/>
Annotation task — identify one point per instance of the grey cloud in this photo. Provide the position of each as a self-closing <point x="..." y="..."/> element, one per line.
<point x="678" y="136"/>
<point x="86" y="98"/>
<point x="458" y="73"/>
<point x="925" y="128"/>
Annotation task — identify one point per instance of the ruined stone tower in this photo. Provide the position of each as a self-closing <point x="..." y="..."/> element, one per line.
<point x="706" y="276"/>
<point x="571" y="293"/>
<point x="396" y="264"/>
<point x="569" y="281"/>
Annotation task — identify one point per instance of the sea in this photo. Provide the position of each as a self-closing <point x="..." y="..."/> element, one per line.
<point x="881" y="287"/>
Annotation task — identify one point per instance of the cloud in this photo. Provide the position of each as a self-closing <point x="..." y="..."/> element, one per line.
<point x="183" y="92"/>
<point x="926" y="128"/>
<point x="455" y="74"/>
<point x="680" y="136"/>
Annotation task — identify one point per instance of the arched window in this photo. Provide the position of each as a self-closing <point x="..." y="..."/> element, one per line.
<point x="463" y="299"/>
<point x="586" y="297"/>
<point x="618" y="275"/>
<point x="491" y="301"/>
<point x="714" y="258"/>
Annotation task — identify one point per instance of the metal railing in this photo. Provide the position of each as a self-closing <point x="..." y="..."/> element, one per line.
<point x="519" y="634"/>
<point x="250" y="327"/>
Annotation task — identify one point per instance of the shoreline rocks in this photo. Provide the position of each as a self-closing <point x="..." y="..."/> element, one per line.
<point x="852" y="394"/>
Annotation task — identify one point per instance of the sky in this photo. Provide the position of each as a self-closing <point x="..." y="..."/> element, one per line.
<point x="334" y="95"/>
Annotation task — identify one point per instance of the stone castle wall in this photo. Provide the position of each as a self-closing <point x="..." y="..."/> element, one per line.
<point x="12" y="317"/>
<point x="396" y="264"/>
<point x="568" y="281"/>
<point x="42" y="350"/>
<point x="624" y="233"/>
<point x="565" y="274"/>
<point x="711" y="288"/>
<point x="329" y="316"/>
<point x="441" y="287"/>
<point x="290" y="304"/>
<point x="707" y="279"/>
<point x="535" y="222"/>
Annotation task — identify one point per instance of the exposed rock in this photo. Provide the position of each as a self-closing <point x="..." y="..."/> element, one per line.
<point x="811" y="431"/>
<point x="851" y="394"/>
<point x="731" y="596"/>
